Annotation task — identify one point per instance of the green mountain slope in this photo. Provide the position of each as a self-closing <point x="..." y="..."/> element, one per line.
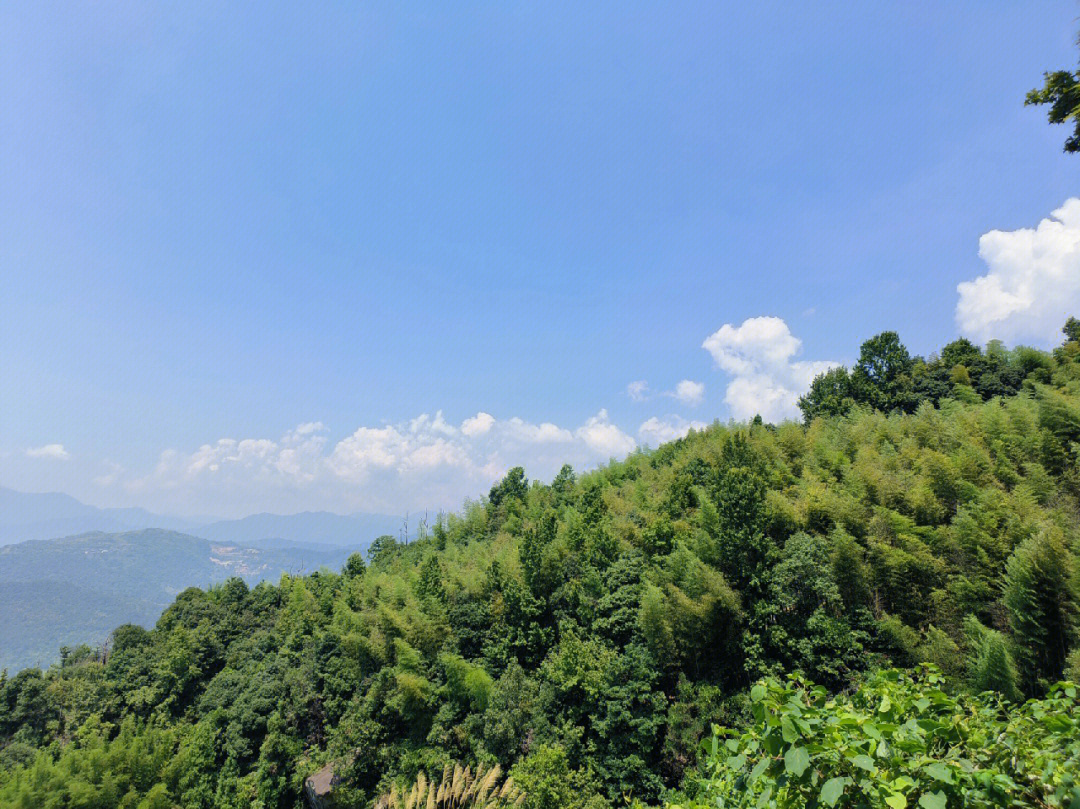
<point x="42" y="616"/>
<point x="78" y="589"/>
<point x="586" y="634"/>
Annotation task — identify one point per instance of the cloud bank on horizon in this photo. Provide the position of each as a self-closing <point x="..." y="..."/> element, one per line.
<point x="423" y="462"/>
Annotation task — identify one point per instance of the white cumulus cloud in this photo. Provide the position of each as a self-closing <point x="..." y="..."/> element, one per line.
<point x="689" y="392"/>
<point x="55" y="452"/>
<point x="604" y="438"/>
<point x="759" y="355"/>
<point x="656" y="431"/>
<point x="1033" y="281"/>
<point x="520" y="432"/>
<point x="478" y="424"/>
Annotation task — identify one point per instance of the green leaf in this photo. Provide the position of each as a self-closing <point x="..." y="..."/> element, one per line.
<point x="896" y="801"/>
<point x="939" y="772"/>
<point x="833" y="789"/>
<point x="787" y="727"/>
<point x="757" y="693"/>
<point x="863" y="762"/>
<point x="933" y="800"/>
<point x="796" y="760"/>
<point x="759" y="768"/>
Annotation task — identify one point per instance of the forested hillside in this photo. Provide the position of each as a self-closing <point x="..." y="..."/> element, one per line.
<point x="586" y="634"/>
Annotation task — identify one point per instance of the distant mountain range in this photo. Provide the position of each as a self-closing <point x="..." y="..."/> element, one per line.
<point x="78" y="589"/>
<point x="318" y="527"/>
<point x="70" y="573"/>
<point x="25" y="516"/>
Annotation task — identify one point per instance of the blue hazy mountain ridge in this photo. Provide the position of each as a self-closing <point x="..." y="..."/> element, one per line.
<point x="310" y="527"/>
<point x="77" y="589"/>
<point x="28" y="516"/>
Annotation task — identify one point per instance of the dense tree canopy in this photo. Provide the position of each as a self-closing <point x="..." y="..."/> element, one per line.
<point x="888" y="378"/>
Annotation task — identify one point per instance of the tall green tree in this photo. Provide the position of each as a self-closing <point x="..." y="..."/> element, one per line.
<point x="1040" y="596"/>
<point x="882" y="376"/>
<point x="991" y="665"/>
<point x="512" y="487"/>
<point x="830" y="394"/>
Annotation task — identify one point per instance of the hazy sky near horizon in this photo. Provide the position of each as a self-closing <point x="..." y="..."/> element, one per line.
<point x="368" y="256"/>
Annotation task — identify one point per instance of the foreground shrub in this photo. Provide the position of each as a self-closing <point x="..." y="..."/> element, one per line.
<point x="899" y="740"/>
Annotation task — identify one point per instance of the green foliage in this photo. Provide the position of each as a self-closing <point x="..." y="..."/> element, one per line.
<point x="991" y="664"/>
<point x="512" y="487"/>
<point x="1041" y="598"/>
<point x="896" y="741"/>
<point x="467" y="683"/>
<point x="888" y="378"/>
<point x="802" y="621"/>
<point x="548" y="782"/>
<point x="1061" y="91"/>
<point x="882" y="376"/>
<point x="831" y="394"/>
<point x="128" y="769"/>
<point x="1071" y="329"/>
<point x="383" y="549"/>
<point x="688" y="612"/>
<point x="354" y="565"/>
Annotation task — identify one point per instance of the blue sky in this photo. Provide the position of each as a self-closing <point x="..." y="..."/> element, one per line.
<point x="300" y="229"/>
